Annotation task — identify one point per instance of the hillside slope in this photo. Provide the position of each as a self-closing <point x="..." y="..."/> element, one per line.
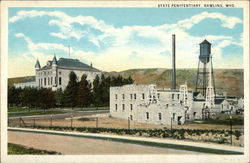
<point x="226" y="80"/>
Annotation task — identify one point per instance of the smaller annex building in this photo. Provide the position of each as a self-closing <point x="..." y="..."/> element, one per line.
<point x="55" y="74"/>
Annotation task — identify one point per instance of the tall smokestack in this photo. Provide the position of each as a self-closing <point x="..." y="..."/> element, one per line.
<point x="173" y="64"/>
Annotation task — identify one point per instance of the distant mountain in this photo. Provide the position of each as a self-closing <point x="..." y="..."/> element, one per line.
<point x="226" y="80"/>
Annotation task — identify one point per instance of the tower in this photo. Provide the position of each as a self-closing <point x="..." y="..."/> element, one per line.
<point x="37" y="67"/>
<point x="203" y="75"/>
<point x="205" y="79"/>
<point x="54" y="73"/>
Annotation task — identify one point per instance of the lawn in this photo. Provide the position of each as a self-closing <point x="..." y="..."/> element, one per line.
<point x="14" y="149"/>
<point x="47" y="112"/>
<point x="90" y="108"/>
<point x="17" y="109"/>
<point x="223" y="119"/>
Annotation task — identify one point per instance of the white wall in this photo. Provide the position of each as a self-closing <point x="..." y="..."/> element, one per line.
<point x="141" y="107"/>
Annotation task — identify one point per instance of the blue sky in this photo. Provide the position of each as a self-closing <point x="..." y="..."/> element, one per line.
<point x="116" y="39"/>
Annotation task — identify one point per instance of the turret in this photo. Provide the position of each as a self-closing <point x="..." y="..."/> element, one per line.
<point x="54" y="61"/>
<point x="54" y="73"/>
<point x="37" y="66"/>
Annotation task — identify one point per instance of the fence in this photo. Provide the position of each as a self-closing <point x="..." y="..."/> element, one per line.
<point x="67" y="122"/>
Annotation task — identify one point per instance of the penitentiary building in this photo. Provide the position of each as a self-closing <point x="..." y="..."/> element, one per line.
<point x="147" y="104"/>
<point x="55" y="74"/>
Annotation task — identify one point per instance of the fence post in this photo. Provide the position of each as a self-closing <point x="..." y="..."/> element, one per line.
<point x="231" y="130"/>
<point x="171" y="123"/>
<point x="20" y="122"/>
<point x="128" y="123"/>
<point x="96" y="122"/>
<point x="50" y="120"/>
<point x="34" y="125"/>
<point x="71" y="125"/>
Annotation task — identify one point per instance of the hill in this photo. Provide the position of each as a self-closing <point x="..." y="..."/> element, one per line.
<point x="226" y="80"/>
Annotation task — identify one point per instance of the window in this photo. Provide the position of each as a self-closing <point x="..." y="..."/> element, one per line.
<point x="159" y="116"/>
<point x="44" y="81"/>
<point x="147" y="115"/>
<point x="135" y="96"/>
<point x="123" y="96"/>
<point x="48" y="81"/>
<point x="178" y="96"/>
<point x="41" y="82"/>
<point x="131" y="117"/>
<point x="158" y="95"/>
<point x="116" y="96"/>
<point x="143" y="96"/>
<point x="60" y="72"/>
<point x="172" y="96"/>
<point x="167" y="105"/>
<point x="222" y="106"/>
<point x="60" y="81"/>
<point x="131" y="96"/>
<point x="131" y="107"/>
<point x="51" y="80"/>
<point x="116" y="107"/>
<point x="173" y="116"/>
<point x="123" y="107"/>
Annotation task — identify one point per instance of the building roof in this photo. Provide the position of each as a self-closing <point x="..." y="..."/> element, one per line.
<point x="37" y="64"/>
<point x="196" y="94"/>
<point x="218" y="100"/>
<point x="54" y="61"/>
<point x="72" y="64"/>
<point x="205" y="42"/>
<point x="199" y="99"/>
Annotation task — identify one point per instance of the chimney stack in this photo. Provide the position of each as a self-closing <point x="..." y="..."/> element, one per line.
<point x="173" y="64"/>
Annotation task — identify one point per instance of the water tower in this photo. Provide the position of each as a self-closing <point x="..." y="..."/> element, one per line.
<point x="205" y="72"/>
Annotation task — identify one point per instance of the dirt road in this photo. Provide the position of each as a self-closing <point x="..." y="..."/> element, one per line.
<point x="76" y="145"/>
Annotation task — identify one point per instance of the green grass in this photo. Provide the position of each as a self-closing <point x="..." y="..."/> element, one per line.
<point x="223" y="119"/>
<point x="14" y="149"/>
<point x="86" y="119"/>
<point x="34" y="113"/>
<point x="90" y="108"/>
<point x="16" y="109"/>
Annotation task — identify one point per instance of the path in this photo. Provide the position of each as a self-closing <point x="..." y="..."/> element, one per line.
<point x="77" y="145"/>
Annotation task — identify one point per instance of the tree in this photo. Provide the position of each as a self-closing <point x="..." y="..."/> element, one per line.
<point x="96" y="91"/>
<point x="59" y="97"/>
<point x="70" y="93"/>
<point x="84" y="92"/>
<point x="46" y="98"/>
<point x="14" y="96"/>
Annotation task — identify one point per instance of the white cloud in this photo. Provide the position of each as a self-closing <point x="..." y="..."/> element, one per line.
<point x="41" y="46"/>
<point x="121" y="43"/>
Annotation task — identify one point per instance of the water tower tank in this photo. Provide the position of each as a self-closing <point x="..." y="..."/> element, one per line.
<point x="205" y="51"/>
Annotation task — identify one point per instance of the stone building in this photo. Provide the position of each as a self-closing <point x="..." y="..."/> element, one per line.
<point x="146" y="104"/>
<point x="55" y="74"/>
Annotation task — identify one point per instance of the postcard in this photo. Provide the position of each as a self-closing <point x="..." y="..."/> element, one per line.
<point x="124" y="81"/>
